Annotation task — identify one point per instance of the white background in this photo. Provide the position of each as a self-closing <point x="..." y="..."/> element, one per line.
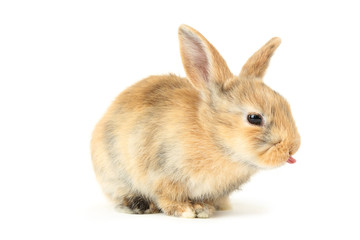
<point x="63" y="62"/>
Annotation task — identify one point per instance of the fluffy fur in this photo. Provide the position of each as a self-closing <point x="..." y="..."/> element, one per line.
<point x="182" y="145"/>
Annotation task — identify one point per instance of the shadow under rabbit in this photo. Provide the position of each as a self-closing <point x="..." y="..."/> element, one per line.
<point x="241" y="207"/>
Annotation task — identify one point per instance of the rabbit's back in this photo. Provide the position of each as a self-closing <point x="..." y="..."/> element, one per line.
<point x="140" y="134"/>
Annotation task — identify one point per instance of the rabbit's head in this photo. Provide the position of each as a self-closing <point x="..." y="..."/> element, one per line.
<point x="247" y="120"/>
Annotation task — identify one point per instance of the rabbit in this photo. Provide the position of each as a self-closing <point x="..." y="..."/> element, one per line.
<point x="181" y="145"/>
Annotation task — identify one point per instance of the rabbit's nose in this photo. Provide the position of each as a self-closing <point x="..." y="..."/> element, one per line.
<point x="294" y="145"/>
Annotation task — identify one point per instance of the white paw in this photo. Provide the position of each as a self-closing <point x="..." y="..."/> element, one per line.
<point x="188" y="213"/>
<point x="124" y="209"/>
<point x="204" y="210"/>
<point x="203" y="214"/>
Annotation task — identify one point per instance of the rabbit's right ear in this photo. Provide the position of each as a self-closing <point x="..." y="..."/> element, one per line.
<point x="203" y="65"/>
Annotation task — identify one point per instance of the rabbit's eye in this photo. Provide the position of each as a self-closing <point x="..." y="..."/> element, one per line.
<point x="255" y="119"/>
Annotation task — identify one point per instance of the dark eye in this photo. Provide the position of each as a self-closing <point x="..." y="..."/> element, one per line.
<point x="255" y="119"/>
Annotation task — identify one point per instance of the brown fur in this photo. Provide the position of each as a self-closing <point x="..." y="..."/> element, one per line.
<point x="181" y="146"/>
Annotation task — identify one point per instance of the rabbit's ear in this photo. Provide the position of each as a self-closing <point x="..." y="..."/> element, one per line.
<point x="256" y="65"/>
<point x="202" y="62"/>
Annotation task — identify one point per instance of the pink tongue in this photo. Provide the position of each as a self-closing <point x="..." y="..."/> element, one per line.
<point x="291" y="160"/>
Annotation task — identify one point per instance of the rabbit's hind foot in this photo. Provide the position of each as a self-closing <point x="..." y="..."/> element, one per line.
<point x="137" y="205"/>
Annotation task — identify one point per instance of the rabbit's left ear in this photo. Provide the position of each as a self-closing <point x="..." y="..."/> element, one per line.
<point x="256" y="65"/>
<point x="203" y="65"/>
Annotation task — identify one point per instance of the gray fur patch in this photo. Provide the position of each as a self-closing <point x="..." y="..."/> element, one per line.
<point x="110" y="140"/>
<point x="162" y="155"/>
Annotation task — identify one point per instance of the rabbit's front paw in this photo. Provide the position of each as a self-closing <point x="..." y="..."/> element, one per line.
<point x="178" y="209"/>
<point x="203" y="210"/>
<point x="187" y="209"/>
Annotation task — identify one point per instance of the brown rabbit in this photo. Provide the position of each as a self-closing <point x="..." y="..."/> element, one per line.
<point x="182" y="145"/>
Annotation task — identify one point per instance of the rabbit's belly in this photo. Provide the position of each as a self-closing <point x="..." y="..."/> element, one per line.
<point x="201" y="190"/>
<point x="217" y="186"/>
